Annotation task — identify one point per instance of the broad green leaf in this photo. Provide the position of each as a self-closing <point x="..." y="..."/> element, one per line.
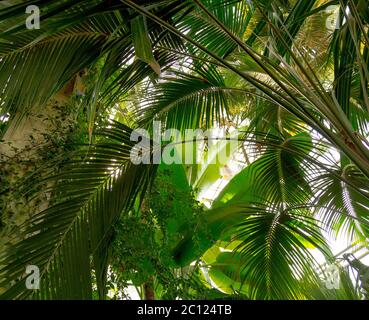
<point x="142" y="43"/>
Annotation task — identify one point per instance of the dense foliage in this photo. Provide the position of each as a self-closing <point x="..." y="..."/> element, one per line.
<point x="280" y="77"/>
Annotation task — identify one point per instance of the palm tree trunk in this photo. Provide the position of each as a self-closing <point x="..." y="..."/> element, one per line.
<point x="23" y="149"/>
<point x="149" y="291"/>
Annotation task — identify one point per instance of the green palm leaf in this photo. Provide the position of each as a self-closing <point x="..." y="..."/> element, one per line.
<point x="94" y="188"/>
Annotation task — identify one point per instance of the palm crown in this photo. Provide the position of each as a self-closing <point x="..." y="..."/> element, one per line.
<point x="295" y="89"/>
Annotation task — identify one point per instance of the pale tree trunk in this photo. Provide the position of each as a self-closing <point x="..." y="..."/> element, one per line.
<point x="23" y="149"/>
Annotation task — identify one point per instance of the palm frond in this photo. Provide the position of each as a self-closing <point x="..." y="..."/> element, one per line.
<point x="69" y="238"/>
